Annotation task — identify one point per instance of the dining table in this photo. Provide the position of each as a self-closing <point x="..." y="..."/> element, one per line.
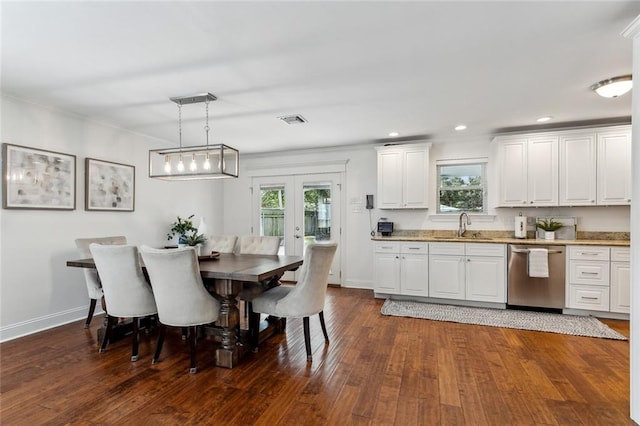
<point x="225" y="274"/>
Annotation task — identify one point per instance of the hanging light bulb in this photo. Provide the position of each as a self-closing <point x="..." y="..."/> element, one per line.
<point x="207" y="163"/>
<point x="167" y="164"/>
<point x="193" y="166"/>
<point x="180" y="165"/>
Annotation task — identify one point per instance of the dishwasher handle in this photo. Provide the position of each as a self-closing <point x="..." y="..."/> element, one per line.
<point x="525" y="251"/>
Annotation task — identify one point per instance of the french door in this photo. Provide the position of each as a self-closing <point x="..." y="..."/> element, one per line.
<point x="302" y="209"/>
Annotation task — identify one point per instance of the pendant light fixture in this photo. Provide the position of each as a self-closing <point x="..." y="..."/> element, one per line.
<point x="613" y="87"/>
<point x="168" y="164"/>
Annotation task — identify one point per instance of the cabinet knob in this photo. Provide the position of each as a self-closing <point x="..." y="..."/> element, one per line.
<point x="531" y="202"/>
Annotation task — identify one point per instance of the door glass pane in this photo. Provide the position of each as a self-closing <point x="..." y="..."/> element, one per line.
<point x="317" y="212"/>
<point x="272" y="213"/>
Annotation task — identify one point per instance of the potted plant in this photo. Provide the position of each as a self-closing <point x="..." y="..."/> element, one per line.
<point x="549" y="226"/>
<point x="180" y="228"/>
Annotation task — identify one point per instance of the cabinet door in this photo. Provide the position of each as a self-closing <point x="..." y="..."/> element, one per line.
<point x="512" y="161"/>
<point x="620" y="287"/>
<point x="390" y="179"/>
<point x="578" y="170"/>
<point x="446" y="277"/>
<point x="486" y="279"/>
<point x="542" y="171"/>
<point x="415" y="178"/>
<point x="387" y="273"/>
<point x="414" y="272"/>
<point x="614" y="168"/>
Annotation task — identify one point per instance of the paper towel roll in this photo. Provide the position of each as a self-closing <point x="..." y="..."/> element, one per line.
<point x="521" y="227"/>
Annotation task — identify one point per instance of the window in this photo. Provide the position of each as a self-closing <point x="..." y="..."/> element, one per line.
<point x="462" y="187"/>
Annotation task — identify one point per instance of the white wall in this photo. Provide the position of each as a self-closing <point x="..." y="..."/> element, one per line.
<point x="361" y="179"/>
<point x="37" y="290"/>
<point x="633" y="31"/>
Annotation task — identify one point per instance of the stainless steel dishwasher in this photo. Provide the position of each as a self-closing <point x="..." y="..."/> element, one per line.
<point x="523" y="290"/>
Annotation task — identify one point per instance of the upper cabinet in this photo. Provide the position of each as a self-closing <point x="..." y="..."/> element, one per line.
<point x="614" y="166"/>
<point x="528" y="170"/>
<point x="566" y="168"/>
<point x="403" y="176"/>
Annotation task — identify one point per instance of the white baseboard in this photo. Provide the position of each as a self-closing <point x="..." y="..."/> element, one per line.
<point x="35" y="325"/>
<point x="361" y="284"/>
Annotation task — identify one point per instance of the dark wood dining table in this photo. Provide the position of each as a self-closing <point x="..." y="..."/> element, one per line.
<point x="225" y="275"/>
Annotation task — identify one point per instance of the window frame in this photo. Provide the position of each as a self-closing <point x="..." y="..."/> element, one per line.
<point x="482" y="162"/>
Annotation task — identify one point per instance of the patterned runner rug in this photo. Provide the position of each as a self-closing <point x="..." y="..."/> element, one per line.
<point x="508" y="318"/>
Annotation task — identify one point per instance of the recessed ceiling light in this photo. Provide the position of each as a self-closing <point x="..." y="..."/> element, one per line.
<point x="460" y="127"/>
<point x="543" y="119"/>
<point x="394" y="134"/>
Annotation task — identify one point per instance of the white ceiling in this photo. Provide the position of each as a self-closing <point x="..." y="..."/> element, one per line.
<point x="355" y="70"/>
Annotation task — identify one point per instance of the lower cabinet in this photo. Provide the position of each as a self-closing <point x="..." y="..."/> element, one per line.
<point x="401" y="268"/>
<point x="599" y="279"/>
<point x="468" y="271"/>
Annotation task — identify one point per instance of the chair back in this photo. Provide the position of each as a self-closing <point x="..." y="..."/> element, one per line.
<point x="250" y="244"/>
<point x="90" y="275"/>
<point x="126" y="291"/>
<point x="222" y="243"/>
<point x="177" y="285"/>
<point x="307" y="297"/>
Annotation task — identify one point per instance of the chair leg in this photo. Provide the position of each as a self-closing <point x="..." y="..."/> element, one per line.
<point x="307" y="338"/>
<point x="107" y="333"/>
<point x="161" y="330"/>
<point x="192" y="348"/>
<point x="134" y="347"/>
<point x="92" y="308"/>
<point x="254" y="329"/>
<point x="185" y="332"/>
<point x="324" y="328"/>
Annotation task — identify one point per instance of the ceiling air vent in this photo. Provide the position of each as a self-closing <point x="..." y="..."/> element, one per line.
<point x="293" y="119"/>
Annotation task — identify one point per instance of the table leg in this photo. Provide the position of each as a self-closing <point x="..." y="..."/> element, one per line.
<point x="227" y="354"/>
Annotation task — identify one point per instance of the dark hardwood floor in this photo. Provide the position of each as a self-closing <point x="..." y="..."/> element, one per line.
<point x="377" y="370"/>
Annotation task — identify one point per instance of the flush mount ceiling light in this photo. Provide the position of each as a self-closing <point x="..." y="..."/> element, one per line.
<point x="394" y="134"/>
<point x="460" y="127"/>
<point x="543" y="119"/>
<point x="613" y="87"/>
<point x="205" y="161"/>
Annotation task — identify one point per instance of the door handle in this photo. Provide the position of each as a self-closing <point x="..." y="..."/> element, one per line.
<point x="297" y="236"/>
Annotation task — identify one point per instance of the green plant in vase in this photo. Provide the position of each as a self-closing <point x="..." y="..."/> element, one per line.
<point x="194" y="238"/>
<point x="549" y="226"/>
<point x="180" y="228"/>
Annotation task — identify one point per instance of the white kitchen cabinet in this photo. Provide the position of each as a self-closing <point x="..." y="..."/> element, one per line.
<point x="588" y="283"/>
<point x="401" y="268"/>
<point x="620" y="280"/>
<point x="577" y="177"/>
<point x="468" y="271"/>
<point x="403" y="176"/>
<point x="614" y="166"/>
<point x="528" y="170"/>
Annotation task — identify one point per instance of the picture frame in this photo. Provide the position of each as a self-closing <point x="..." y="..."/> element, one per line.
<point x="109" y="186"/>
<point x="37" y="179"/>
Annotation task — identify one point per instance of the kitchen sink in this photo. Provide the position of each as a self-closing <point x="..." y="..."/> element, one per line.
<point x="465" y="238"/>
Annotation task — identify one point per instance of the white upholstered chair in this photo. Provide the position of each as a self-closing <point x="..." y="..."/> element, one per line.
<point x="180" y="294"/>
<point x="302" y="300"/>
<point x="260" y="246"/>
<point x="90" y="275"/>
<point x="222" y="243"/>
<point x="126" y="291"/>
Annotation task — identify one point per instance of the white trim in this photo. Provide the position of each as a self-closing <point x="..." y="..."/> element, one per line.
<point x="35" y="325"/>
<point x="359" y="284"/>
<point x="633" y="29"/>
<point x="456" y="162"/>
<point x="297" y="168"/>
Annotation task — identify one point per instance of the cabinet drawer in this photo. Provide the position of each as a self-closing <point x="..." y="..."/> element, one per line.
<point x="417" y="248"/>
<point x="588" y="253"/>
<point x="620" y="254"/>
<point x="384" y="247"/>
<point x="453" y="249"/>
<point x="486" y="249"/>
<point x="590" y="273"/>
<point x="591" y="298"/>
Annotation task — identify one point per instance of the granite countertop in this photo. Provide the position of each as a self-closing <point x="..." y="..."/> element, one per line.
<point x="618" y="239"/>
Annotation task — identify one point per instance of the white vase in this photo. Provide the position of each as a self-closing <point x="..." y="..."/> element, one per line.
<point x="549" y="235"/>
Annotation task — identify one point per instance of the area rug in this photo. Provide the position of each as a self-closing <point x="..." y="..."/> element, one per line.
<point x="508" y="318"/>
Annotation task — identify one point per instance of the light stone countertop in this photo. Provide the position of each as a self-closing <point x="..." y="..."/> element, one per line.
<point x="614" y="239"/>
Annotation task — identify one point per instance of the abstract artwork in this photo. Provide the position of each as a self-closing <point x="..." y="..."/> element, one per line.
<point x="37" y="179"/>
<point x="109" y="186"/>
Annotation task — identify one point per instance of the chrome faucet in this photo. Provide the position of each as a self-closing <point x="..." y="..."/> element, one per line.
<point x="462" y="228"/>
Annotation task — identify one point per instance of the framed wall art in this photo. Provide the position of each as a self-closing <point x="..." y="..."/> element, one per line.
<point x="37" y="179"/>
<point x="109" y="186"/>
